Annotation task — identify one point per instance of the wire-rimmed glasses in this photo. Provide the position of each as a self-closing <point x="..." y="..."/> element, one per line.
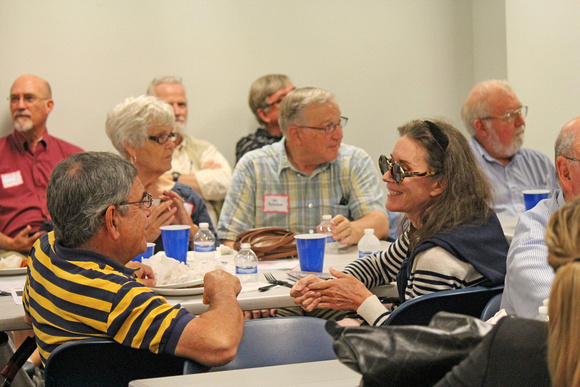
<point x="510" y="117"/>
<point x="329" y="128"/>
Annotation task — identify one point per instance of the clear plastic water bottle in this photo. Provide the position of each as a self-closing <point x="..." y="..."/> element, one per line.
<point x="369" y="243"/>
<point x="326" y="228"/>
<point x="204" y="246"/>
<point x="246" y="264"/>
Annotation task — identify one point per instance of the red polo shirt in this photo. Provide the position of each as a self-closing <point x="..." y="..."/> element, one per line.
<point x="24" y="178"/>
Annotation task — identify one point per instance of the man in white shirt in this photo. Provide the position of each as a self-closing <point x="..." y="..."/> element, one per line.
<point x="529" y="278"/>
<point x="494" y="116"/>
<point x="196" y="163"/>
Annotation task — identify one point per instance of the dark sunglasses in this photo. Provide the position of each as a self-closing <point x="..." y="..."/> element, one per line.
<point x="397" y="171"/>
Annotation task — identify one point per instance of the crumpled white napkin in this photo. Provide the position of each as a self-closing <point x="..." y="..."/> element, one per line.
<point x="11" y="262"/>
<point x="170" y="271"/>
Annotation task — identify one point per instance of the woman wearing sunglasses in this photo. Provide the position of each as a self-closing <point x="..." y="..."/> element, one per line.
<point x="451" y="237"/>
<point x="141" y="129"/>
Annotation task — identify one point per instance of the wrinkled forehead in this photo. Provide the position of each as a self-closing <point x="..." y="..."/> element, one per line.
<point x="171" y="92"/>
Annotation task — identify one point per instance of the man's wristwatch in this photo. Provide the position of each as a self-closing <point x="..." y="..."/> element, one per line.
<point x="176" y="176"/>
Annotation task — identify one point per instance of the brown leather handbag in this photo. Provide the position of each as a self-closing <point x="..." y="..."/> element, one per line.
<point x="269" y="242"/>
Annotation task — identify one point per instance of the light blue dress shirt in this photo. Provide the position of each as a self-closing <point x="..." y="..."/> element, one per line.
<point x="528" y="169"/>
<point x="529" y="277"/>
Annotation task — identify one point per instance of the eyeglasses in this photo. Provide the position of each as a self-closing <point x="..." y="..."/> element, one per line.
<point x="330" y="128"/>
<point x="397" y="171"/>
<point x="29" y="99"/>
<point x="571" y="158"/>
<point x="146" y="201"/>
<point x="163" y="138"/>
<point x="510" y="117"/>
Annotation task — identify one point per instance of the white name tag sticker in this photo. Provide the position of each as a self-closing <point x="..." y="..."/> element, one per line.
<point x="188" y="208"/>
<point x="276" y="203"/>
<point x="11" y="179"/>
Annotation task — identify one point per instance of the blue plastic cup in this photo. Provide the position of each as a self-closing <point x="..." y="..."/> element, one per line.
<point x="311" y="251"/>
<point x="175" y="241"/>
<point x="147" y="254"/>
<point x="533" y="196"/>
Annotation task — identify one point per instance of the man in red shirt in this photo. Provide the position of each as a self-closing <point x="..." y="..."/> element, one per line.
<point x="28" y="156"/>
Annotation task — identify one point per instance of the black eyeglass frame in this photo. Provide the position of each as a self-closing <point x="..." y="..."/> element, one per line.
<point x="146" y="201"/>
<point x="163" y="138"/>
<point x="329" y="128"/>
<point x="397" y="171"/>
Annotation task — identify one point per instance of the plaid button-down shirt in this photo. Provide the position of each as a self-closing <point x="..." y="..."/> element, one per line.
<point x="348" y="185"/>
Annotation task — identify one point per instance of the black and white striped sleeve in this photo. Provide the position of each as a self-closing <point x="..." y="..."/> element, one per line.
<point x="380" y="268"/>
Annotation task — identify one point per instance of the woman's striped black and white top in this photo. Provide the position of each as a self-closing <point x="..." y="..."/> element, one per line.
<point x="433" y="270"/>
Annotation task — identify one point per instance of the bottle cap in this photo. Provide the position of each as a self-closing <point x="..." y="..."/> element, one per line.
<point x="543" y="310"/>
<point x="369" y="231"/>
<point x="546" y="301"/>
<point x="203" y="225"/>
<point x="326" y="217"/>
<point x="246" y="246"/>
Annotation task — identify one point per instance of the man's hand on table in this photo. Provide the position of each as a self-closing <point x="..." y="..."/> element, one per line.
<point x="345" y="231"/>
<point x="143" y="272"/>
<point x="219" y="282"/>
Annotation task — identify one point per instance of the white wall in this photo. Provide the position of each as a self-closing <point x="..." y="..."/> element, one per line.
<point x="489" y="43"/>
<point x="543" y="45"/>
<point x="386" y="61"/>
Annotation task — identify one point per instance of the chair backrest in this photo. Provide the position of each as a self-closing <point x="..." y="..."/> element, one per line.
<point x="281" y="340"/>
<point x="420" y="310"/>
<point x="492" y="307"/>
<point x="99" y="362"/>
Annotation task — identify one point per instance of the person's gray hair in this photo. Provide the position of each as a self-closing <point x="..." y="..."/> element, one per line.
<point x="164" y="79"/>
<point x="564" y="145"/>
<point x="129" y="121"/>
<point x="565" y="142"/>
<point x="476" y="104"/>
<point x="467" y="194"/>
<point x="262" y="88"/>
<point x="297" y="100"/>
<point x="80" y="190"/>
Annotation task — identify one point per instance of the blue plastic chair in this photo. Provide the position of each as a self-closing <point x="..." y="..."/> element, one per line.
<point x="279" y="340"/>
<point x="420" y="310"/>
<point x="491" y="308"/>
<point x="104" y="362"/>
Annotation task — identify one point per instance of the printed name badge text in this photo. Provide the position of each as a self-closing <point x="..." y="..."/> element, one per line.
<point x="276" y="203"/>
<point x="11" y="179"/>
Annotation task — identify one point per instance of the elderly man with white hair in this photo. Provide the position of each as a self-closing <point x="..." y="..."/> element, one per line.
<point x="292" y="183"/>
<point x="197" y="163"/>
<point x="494" y="117"/>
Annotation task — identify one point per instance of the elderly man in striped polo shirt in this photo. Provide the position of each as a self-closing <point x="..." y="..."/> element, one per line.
<point x="79" y="284"/>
